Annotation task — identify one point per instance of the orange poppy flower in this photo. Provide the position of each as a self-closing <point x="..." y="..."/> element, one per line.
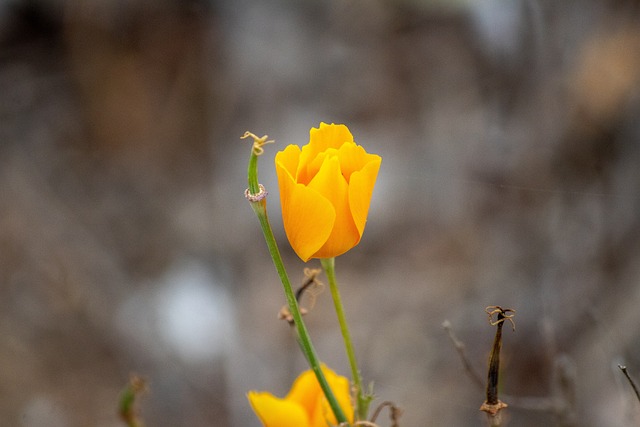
<point x="325" y="191"/>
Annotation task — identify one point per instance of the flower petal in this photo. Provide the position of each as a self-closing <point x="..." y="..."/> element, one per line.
<point x="305" y="391"/>
<point x="308" y="217"/>
<point x="361" y="189"/>
<point x="331" y="184"/>
<point x="353" y="158"/>
<point x="329" y="136"/>
<point x="320" y="140"/>
<point x="289" y="158"/>
<point x="276" y="412"/>
<point x="342" y="391"/>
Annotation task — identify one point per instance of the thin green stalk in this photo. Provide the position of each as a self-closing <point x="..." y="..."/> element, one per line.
<point x="252" y="175"/>
<point x="259" y="207"/>
<point x="362" y="404"/>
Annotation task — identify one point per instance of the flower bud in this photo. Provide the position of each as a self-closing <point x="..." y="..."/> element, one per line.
<point x="325" y="192"/>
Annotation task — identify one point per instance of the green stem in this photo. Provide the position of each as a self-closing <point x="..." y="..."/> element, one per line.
<point x="362" y="401"/>
<point x="252" y="175"/>
<point x="304" y="340"/>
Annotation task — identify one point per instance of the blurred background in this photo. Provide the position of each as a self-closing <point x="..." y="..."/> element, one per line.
<point x="510" y="140"/>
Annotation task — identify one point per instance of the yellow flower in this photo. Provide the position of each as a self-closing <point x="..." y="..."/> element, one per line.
<point x="305" y="405"/>
<point x="325" y="192"/>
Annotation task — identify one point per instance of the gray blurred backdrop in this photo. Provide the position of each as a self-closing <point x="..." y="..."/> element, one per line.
<point x="510" y="137"/>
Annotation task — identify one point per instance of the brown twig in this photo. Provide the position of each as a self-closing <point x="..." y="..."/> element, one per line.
<point x="394" y="413"/>
<point x="460" y="348"/>
<point x="493" y="405"/>
<point x="633" y="384"/>
<point x="306" y="288"/>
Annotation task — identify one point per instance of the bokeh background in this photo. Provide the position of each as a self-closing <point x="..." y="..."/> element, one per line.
<point x="510" y="137"/>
